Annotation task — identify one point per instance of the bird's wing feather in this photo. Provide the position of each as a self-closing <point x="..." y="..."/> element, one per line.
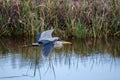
<point x="46" y="34"/>
<point x="47" y="48"/>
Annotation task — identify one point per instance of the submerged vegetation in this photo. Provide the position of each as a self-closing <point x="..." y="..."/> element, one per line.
<point x="69" y="18"/>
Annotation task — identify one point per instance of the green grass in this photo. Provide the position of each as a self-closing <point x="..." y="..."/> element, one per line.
<point x="80" y="19"/>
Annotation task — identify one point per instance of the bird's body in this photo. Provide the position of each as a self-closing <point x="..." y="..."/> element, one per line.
<point x="48" y="42"/>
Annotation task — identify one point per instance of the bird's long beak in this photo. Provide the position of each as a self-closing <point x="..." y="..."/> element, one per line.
<point x="66" y="42"/>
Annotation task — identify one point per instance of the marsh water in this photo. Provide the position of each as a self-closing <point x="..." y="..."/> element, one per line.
<point x="87" y="59"/>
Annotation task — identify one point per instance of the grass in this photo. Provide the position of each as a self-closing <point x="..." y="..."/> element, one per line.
<point x="80" y="19"/>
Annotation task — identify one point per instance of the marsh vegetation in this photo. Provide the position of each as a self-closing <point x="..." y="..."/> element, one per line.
<point x="69" y="18"/>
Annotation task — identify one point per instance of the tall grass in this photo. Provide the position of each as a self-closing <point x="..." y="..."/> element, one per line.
<point x="81" y="18"/>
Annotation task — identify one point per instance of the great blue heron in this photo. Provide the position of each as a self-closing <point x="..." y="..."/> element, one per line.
<point x="48" y="42"/>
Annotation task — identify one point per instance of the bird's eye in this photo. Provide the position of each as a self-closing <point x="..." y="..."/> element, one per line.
<point x="40" y="42"/>
<point x="59" y="39"/>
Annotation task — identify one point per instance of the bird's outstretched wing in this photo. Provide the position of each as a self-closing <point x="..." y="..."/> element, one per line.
<point x="47" y="48"/>
<point x="44" y="35"/>
<point x="47" y="41"/>
<point x="47" y="34"/>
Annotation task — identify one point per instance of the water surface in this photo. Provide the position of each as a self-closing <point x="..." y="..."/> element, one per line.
<point x="87" y="59"/>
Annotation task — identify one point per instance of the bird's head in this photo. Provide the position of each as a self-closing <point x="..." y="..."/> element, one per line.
<point x="59" y="44"/>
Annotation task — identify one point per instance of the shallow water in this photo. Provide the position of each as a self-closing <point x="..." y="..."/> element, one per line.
<point x="83" y="60"/>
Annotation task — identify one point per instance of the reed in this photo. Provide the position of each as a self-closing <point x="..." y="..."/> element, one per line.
<point x="80" y="19"/>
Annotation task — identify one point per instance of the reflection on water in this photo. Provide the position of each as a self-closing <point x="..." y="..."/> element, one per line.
<point x="86" y="60"/>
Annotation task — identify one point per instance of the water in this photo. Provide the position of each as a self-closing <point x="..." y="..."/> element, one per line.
<point x="83" y="60"/>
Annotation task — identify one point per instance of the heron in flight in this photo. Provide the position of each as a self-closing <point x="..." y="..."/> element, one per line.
<point x="48" y="42"/>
